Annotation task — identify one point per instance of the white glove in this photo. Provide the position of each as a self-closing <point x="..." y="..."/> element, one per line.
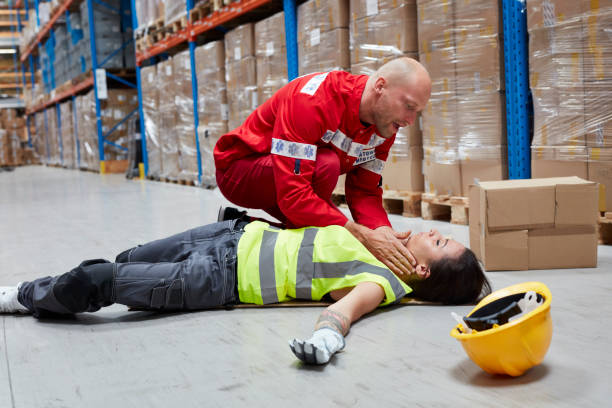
<point x="319" y="348"/>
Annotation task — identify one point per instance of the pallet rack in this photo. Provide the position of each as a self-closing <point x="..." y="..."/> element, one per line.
<point x="515" y="66"/>
<point x="98" y="74"/>
<point x="189" y="34"/>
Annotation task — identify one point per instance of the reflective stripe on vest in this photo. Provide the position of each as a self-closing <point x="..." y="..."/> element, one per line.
<point x="266" y="263"/>
<point x="307" y="270"/>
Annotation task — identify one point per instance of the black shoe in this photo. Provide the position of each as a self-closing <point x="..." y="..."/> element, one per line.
<point x="230" y="213"/>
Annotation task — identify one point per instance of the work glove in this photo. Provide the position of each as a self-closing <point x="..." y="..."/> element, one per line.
<point x="319" y="348"/>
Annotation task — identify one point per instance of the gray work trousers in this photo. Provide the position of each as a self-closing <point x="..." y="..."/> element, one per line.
<point x="193" y="270"/>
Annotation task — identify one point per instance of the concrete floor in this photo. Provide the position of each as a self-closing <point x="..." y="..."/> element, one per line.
<point x="51" y="219"/>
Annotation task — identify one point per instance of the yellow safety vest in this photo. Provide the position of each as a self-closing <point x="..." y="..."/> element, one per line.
<point x="277" y="265"/>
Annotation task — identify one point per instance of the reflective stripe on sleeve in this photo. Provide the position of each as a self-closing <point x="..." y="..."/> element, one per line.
<point x="375" y="166"/>
<point x="294" y="149"/>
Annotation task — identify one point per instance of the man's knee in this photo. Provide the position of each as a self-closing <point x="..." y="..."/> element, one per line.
<point x="327" y="171"/>
<point x="87" y="287"/>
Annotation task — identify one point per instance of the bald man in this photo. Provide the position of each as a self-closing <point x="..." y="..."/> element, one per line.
<point x="288" y="154"/>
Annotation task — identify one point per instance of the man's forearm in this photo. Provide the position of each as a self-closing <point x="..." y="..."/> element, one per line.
<point x="359" y="231"/>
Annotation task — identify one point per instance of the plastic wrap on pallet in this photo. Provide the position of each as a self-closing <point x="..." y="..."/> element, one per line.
<point x="174" y="10"/>
<point x="212" y="104"/>
<point x="464" y="122"/>
<point x="87" y="132"/>
<point x="69" y="152"/>
<point x="119" y="104"/>
<point x="39" y="137"/>
<point x="147" y="11"/>
<point x="185" y="126"/>
<point x="167" y="120"/>
<point x="240" y="74"/>
<point x="382" y="30"/>
<point x="570" y="49"/>
<point x="323" y="38"/>
<point x="271" y="55"/>
<point x="150" y="109"/>
<point x="53" y="136"/>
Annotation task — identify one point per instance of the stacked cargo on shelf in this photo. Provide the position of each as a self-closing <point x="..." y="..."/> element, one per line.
<point x="241" y="73"/>
<point x="64" y="67"/>
<point x="571" y="85"/>
<point x="460" y="43"/>
<point x="379" y="32"/>
<point x="13" y="134"/>
<point x="151" y="118"/>
<point x="212" y="104"/>
<point x="323" y="38"/>
<point x="271" y="53"/>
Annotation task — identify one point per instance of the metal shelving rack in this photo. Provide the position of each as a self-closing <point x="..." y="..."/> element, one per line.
<point x="518" y="106"/>
<point x="189" y="34"/>
<point x="98" y="73"/>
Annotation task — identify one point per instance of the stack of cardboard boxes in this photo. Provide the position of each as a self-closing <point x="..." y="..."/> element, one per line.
<point x="212" y="104"/>
<point x="9" y="149"/>
<point x="271" y="53"/>
<point x="323" y="37"/>
<point x="463" y="125"/>
<point x="571" y="84"/>
<point x="54" y="157"/>
<point x="150" y="111"/>
<point x="167" y="120"/>
<point x="534" y="224"/>
<point x="379" y="32"/>
<point x="240" y="74"/>
<point x="69" y="152"/>
<point x="120" y="102"/>
<point x="185" y="125"/>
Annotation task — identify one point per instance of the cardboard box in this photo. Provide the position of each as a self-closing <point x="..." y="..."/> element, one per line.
<point x="240" y="43"/>
<point x="441" y="65"/>
<point x="563" y="161"/>
<point x="435" y="25"/>
<point x="442" y="171"/>
<point x="534" y="224"/>
<point x="598" y="120"/>
<point x="486" y="14"/>
<point x="389" y="32"/>
<point x="479" y="66"/>
<point x="326" y="52"/>
<point x="322" y="15"/>
<point x="404" y="172"/>
<point x="600" y="171"/>
<point x="474" y="171"/>
<point x="547" y="13"/>
<point x="482" y="119"/>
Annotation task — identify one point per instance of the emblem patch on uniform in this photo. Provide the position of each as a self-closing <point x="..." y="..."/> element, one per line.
<point x="313" y="84"/>
<point x="365" y="156"/>
<point x="375" y="166"/>
<point x="293" y="149"/>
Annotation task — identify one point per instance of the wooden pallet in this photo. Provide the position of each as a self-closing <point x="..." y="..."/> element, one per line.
<point x="445" y="208"/>
<point x="605" y="229"/>
<point x="200" y="11"/>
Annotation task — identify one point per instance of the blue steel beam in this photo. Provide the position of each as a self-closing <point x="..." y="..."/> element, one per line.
<point x="94" y="66"/>
<point x="291" y="38"/>
<point x="144" y="168"/>
<point x="119" y="79"/>
<point x="194" y="94"/>
<point x="517" y="88"/>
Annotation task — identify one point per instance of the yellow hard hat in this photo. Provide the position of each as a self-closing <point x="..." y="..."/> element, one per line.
<point x="500" y="346"/>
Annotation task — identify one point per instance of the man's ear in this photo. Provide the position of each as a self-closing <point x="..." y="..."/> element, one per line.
<point x="422" y="271"/>
<point x="379" y="84"/>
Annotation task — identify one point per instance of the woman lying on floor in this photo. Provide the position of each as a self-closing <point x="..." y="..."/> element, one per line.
<point x="239" y="262"/>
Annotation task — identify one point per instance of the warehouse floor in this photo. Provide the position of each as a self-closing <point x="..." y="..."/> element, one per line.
<point x="51" y="219"/>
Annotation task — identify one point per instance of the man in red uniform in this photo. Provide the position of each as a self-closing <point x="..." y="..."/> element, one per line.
<point x="288" y="154"/>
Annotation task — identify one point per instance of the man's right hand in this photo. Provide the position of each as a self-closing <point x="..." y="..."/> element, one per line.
<point x="387" y="246"/>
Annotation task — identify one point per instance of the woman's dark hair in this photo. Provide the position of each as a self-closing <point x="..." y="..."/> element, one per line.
<point x="453" y="281"/>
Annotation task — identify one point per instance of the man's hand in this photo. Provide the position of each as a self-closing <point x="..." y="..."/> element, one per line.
<point x="387" y="246"/>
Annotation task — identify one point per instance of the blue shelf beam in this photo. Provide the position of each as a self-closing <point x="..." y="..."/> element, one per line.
<point x="517" y="88"/>
<point x="143" y="168"/>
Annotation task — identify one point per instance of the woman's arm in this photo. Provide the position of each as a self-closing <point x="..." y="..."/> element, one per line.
<point x="335" y="321"/>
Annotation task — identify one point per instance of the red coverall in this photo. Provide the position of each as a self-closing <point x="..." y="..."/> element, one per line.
<point x="287" y="155"/>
